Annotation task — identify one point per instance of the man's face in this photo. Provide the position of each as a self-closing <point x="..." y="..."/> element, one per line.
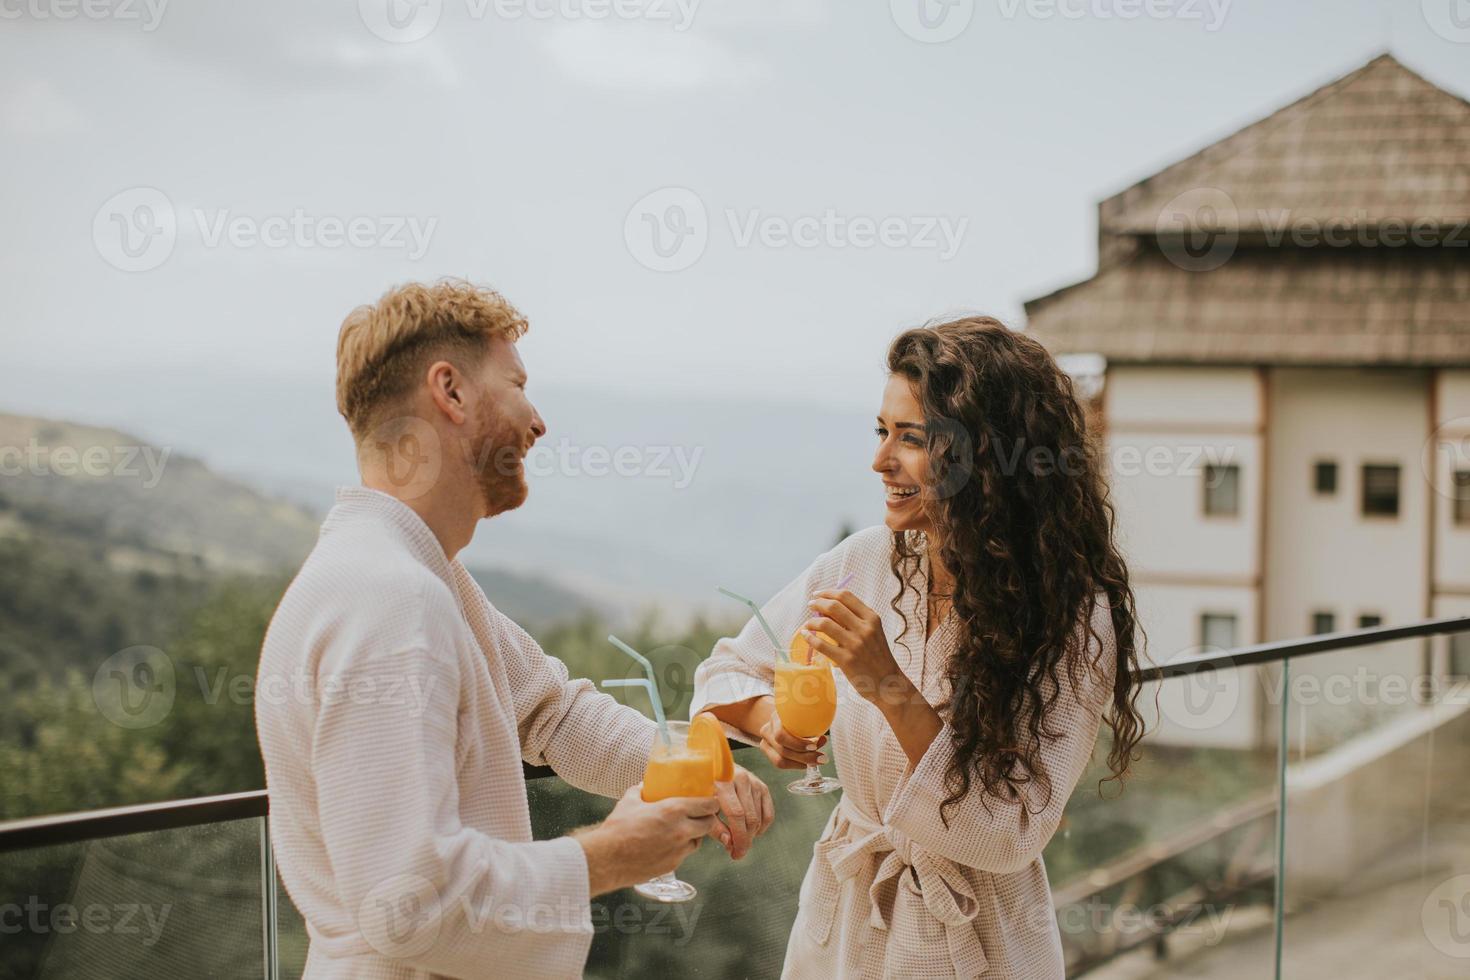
<point x="508" y="426"/>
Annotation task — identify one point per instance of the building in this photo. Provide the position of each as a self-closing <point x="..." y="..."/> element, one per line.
<point x="1284" y="320"/>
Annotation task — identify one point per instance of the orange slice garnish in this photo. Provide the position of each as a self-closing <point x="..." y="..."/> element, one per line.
<point x="706" y="735"/>
<point x="801" y="650"/>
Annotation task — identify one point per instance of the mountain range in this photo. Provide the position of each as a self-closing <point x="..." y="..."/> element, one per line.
<point x="762" y="489"/>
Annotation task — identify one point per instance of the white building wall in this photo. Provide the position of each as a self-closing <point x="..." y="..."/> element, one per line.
<point x="1324" y="554"/>
<point x="1164" y="425"/>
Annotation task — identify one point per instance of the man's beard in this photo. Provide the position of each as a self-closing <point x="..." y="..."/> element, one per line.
<point x="498" y="465"/>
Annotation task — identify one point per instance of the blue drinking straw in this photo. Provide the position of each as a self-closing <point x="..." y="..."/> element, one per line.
<point x="649" y="684"/>
<point x="781" y="651"/>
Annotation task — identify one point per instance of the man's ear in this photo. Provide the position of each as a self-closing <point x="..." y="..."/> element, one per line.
<point x="447" y="389"/>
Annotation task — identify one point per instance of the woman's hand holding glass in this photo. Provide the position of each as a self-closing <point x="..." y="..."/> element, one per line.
<point x="785" y="750"/>
<point x="851" y="636"/>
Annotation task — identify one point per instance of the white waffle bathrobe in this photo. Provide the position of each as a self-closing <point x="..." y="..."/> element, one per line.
<point x="890" y="891"/>
<point x="394" y="705"/>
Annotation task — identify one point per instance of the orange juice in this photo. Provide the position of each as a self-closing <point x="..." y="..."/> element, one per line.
<point x="806" y="697"/>
<point x="677" y="771"/>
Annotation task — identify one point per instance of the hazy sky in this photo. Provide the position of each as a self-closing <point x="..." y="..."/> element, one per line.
<point x="517" y="145"/>
<point x="710" y="210"/>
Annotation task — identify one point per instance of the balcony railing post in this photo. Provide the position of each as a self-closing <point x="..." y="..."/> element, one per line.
<point x="268" y="919"/>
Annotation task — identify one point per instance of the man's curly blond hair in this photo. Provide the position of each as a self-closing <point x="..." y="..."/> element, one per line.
<point x="384" y="347"/>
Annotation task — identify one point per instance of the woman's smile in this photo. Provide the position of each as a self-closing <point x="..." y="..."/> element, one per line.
<point x="899" y="495"/>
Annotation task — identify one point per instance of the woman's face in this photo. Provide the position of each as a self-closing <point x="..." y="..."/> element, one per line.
<point x="902" y="459"/>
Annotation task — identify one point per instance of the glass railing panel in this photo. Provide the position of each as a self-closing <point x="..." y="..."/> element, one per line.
<point x="291" y="939"/>
<point x="1174" y="876"/>
<point x="1376" y="865"/>
<point x="174" y="903"/>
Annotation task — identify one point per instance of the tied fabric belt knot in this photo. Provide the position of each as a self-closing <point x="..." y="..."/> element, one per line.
<point x="946" y="894"/>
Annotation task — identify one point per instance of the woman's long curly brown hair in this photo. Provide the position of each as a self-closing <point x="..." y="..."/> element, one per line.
<point x="1017" y="497"/>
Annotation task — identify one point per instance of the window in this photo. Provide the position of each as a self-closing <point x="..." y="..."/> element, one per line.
<point x="1323" y="622"/>
<point x="1380" y="490"/>
<point x="1461" y="489"/>
<point x="1217" y="631"/>
<point x="1222" y="490"/>
<point x="1369" y="620"/>
<point x="1460" y="654"/>
<point x="1324" y="478"/>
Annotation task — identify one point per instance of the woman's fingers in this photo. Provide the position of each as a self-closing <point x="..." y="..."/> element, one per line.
<point x="829" y="627"/>
<point x="799" y="752"/>
<point x="828" y="605"/>
<point x="776" y="759"/>
<point x="852" y="603"/>
<point x="831" y="651"/>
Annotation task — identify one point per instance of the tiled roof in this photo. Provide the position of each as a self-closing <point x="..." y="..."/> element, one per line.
<point x="1379" y="152"/>
<point x="1279" y="306"/>
<point x="1381" y="143"/>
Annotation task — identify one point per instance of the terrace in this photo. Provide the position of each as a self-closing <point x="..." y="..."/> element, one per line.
<point x="1344" y="849"/>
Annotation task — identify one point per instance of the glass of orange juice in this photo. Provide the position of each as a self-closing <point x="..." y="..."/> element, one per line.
<point x="806" y="701"/>
<point x="675" y="769"/>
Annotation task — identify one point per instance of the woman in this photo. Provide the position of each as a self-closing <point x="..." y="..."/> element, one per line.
<point x="988" y="629"/>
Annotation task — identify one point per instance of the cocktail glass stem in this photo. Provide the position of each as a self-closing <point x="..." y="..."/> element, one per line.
<point x="814" y="783"/>
<point x="666" y="888"/>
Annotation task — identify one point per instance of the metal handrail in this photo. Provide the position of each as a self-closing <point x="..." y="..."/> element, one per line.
<point x="142" y="818"/>
<point x="1264" y="653"/>
<point x="71" y="828"/>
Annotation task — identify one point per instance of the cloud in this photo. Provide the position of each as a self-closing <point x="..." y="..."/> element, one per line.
<point x="36" y="107"/>
<point x="764" y="14"/>
<point x="648" y="58"/>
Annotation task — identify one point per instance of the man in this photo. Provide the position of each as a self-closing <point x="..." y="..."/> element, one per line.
<point x="395" y="703"/>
